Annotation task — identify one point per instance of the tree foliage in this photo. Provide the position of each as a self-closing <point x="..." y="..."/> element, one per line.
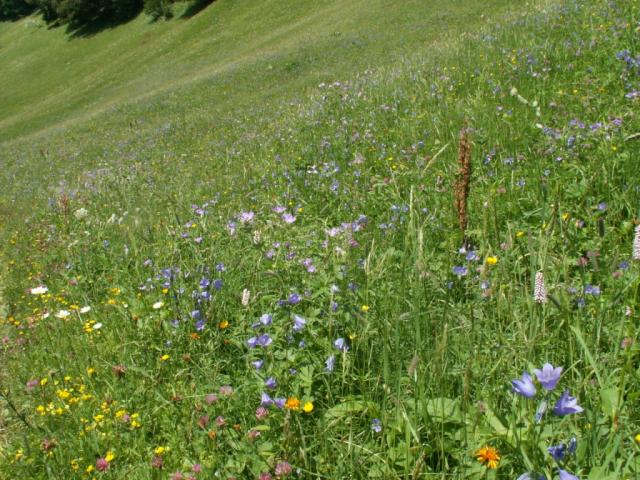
<point x="81" y="12"/>
<point x="12" y="9"/>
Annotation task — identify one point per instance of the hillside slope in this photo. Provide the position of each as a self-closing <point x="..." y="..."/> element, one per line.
<point x="246" y="48"/>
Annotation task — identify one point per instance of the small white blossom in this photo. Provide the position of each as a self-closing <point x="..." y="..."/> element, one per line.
<point x="85" y="309"/>
<point x="41" y="290"/>
<point x="540" y="291"/>
<point x="63" y="314"/>
<point x="246" y="295"/>
<point x="81" y="213"/>
<point x="636" y="244"/>
<point x="158" y="305"/>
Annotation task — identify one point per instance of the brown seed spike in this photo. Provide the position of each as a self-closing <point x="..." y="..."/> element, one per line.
<point x="463" y="179"/>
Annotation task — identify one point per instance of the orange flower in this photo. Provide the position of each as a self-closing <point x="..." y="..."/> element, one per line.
<point x="488" y="456"/>
<point x="292" y="403"/>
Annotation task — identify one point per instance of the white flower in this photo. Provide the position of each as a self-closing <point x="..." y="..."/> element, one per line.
<point x="85" y="309"/>
<point x="63" y="314"/>
<point x="158" y="305"/>
<point x="636" y="244"/>
<point x="45" y="315"/>
<point x="246" y="294"/>
<point x="97" y="326"/>
<point x="81" y="213"/>
<point x="41" y="290"/>
<point x="539" y="290"/>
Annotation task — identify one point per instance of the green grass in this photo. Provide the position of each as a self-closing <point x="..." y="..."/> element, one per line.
<point x="254" y="50"/>
<point x="356" y="135"/>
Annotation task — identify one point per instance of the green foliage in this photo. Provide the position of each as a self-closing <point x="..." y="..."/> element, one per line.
<point x="13" y="9"/>
<point x="158" y="8"/>
<point x="165" y="230"/>
<point x="77" y="12"/>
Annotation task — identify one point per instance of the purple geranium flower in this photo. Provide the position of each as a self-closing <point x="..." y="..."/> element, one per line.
<point x="592" y="290"/>
<point x="566" y="405"/>
<point x="265" y="400"/>
<point x="266" y="319"/>
<point x="376" y="425"/>
<point x="341" y="344"/>
<point x="531" y="476"/>
<point x="264" y="340"/>
<point x="294" y="298"/>
<point x="564" y="475"/>
<point x="270" y="383"/>
<point x="257" y="364"/>
<point x="288" y="218"/>
<point x="548" y="376"/>
<point x="524" y="386"/>
<point x="460" y="271"/>
<point x="557" y="451"/>
<point x="246" y="217"/>
<point x="298" y="323"/>
<point x="330" y="363"/>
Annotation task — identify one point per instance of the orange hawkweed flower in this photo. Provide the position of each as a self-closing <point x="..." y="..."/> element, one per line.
<point x="488" y="456"/>
<point x="292" y="403"/>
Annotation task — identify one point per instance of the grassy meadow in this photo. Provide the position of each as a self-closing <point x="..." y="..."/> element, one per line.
<point x="324" y="240"/>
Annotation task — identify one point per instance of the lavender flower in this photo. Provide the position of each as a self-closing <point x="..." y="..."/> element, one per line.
<point x="525" y="386"/>
<point x="270" y="383"/>
<point x="262" y="341"/>
<point x="566" y="405"/>
<point x="460" y="271"/>
<point x="564" y="475"/>
<point x="246" y="217"/>
<point x="548" y="376"/>
<point x="265" y="400"/>
<point x="257" y="364"/>
<point x="329" y="364"/>
<point x="341" y="344"/>
<point x="558" y="452"/>
<point x="288" y="218"/>
<point x="298" y="323"/>
<point x="531" y="476"/>
<point x="376" y="425"/>
<point x="592" y="290"/>
<point x="294" y="299"/>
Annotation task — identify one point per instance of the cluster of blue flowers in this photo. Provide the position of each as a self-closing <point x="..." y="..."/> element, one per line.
<point x="548" y="377"/>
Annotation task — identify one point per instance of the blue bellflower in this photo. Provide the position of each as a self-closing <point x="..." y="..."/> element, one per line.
<point x="564" y="475"/>
<point x="524" y="386"/>
<point x="548" y="376"/>
<point x="558" y="452"/>
<point x="566" y="405"/>
<point x="298" y="323"/>
<point x="341" y="344"/>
